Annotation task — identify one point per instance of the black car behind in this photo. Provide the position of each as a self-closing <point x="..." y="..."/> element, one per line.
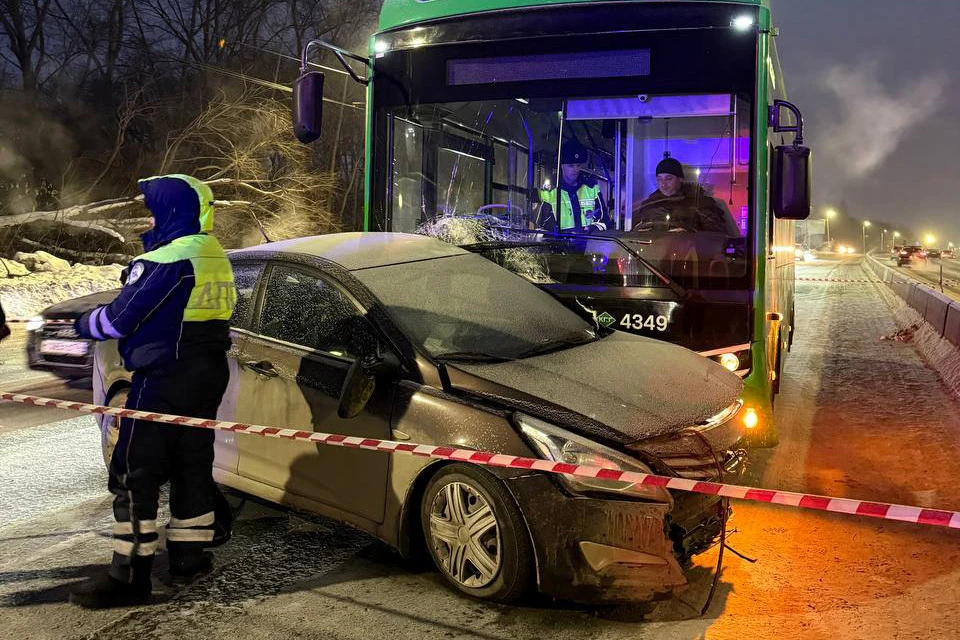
<point x="53" y="344"/>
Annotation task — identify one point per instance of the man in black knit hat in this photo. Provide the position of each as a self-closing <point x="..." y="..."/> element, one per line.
<point x="681" y="206"/>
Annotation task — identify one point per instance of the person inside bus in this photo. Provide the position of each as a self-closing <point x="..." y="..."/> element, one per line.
<point x="580" y="200"/>
<point x="678" y="205"/>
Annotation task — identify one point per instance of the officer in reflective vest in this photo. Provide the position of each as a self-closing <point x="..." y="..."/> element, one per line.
<point x="580" y="200"/>
<point x="172" y="321"/>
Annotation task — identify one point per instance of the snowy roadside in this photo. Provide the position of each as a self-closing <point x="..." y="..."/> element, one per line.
<point x="940" y="353"/>
<point x="25" y="297"/>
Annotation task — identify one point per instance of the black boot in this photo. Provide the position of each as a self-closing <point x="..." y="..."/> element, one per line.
<point x="107" y="592"/>
<point x="187" y="567"/>
<point x="223" y="522"/>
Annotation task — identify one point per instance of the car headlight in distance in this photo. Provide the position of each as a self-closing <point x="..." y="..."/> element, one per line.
<point x="554" y="443"/>
<point x="35" y="323"/>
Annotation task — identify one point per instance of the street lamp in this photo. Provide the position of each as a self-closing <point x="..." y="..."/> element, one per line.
<point x="863" y="229"/>
<point x="882" y="233"/>
<point x="829" y="213"/>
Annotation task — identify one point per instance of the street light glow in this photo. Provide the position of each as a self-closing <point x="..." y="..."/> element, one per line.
<point x="931" y="239"/>
<point x="831" y="213"/>
<point x="866" y="223"/>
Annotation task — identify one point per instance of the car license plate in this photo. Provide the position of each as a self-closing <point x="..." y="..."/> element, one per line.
<point x="64" y="347"/>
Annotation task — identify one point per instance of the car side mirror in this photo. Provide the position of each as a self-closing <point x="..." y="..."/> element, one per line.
<point x="308" y="106"/>
<point x="356" y="391"/>
<point x="362" y="378"/>
<point x="790" y="184"/>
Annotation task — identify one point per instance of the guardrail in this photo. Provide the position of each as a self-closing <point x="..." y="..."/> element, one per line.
<point x="939" y="311"/>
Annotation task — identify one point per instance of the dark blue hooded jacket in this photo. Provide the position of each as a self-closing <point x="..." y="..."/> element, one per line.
<point x="179" y="296"/>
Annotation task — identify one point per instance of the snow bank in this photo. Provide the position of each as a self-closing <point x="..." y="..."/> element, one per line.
<point x="940" y="353"/>
<point x="26" y="297"/>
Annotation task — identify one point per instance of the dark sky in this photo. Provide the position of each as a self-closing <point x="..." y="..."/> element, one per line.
<point x="879" y="85"/>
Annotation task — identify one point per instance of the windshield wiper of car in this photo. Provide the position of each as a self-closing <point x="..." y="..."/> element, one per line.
<point x="470" y="356"/>
<point x="556" y="345"/>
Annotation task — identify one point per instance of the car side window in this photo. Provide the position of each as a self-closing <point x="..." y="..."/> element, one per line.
<point x="245" y="277"/>
<point x="304" y="309"/>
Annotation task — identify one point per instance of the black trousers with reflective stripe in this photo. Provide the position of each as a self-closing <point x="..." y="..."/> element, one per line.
<point x="149" y="454"/>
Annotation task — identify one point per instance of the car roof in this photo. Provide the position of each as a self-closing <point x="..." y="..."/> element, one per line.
<point x="356" y="250"/>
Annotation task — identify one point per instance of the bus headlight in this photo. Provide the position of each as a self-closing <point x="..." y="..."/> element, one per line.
<point x="730" y="361"/>
<point x="738" y="362"/>
<point x="553" y="443"/>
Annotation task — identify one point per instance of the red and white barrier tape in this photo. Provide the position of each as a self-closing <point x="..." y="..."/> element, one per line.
<point x="903" y="513"/>
<point x="860" y="280"/>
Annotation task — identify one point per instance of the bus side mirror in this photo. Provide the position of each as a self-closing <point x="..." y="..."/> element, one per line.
<point x="308" y="106"/>
<point x="790" y="182"/>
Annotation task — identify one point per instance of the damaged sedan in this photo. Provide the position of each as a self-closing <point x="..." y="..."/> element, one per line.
<point x="407" y="338"/>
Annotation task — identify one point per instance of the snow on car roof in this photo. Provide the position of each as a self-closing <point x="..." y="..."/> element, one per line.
<point x="354" y="251"/>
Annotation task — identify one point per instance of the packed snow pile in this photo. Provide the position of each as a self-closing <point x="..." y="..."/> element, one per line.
<point x="26" y="296"/>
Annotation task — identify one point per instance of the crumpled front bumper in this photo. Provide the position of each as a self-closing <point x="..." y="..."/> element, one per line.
<point x="597" y="551"/>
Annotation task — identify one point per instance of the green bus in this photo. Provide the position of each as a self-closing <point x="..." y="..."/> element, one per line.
<point x="631" y="157"/>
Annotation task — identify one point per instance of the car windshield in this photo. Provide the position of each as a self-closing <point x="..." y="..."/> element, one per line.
<point x="465" y="307"/>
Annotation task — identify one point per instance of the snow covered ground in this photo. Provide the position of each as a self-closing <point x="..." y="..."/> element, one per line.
<point x="25" y="297"/>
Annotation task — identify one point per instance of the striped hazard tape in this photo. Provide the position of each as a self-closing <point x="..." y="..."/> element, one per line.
<point x="857" y="280"/>
<point x="903" y="513"/>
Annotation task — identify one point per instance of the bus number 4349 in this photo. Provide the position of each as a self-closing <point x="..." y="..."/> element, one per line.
<point x="637" y="321"/>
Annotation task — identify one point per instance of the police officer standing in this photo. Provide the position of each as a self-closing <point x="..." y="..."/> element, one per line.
<point x="580" y="200"/>
<point x="172" y="320"/>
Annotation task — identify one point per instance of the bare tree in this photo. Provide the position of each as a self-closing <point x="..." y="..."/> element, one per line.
<point x="241" y="146"/>
<point x="23" y="23"/>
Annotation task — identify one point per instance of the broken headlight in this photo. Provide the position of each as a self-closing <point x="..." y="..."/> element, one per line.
<point x="554" y="443"/>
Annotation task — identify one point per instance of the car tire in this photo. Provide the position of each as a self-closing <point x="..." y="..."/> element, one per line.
<point x="494" y="563"/>
<point x="110" y="425"/>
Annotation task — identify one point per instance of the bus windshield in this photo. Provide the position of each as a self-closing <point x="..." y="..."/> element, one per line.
<point x="665" y="175"/>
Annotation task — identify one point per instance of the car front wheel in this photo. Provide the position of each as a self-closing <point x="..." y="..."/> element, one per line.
<point x="110" y="426"/>
<point x="476" y="534"/>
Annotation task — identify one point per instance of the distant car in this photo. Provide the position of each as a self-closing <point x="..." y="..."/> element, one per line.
<point x="802" y="252"/>
<point x="53" y="344"/>
<point x="934" y="253"/>
<point x="404" y="337"/>
<point x="947" y="253"/>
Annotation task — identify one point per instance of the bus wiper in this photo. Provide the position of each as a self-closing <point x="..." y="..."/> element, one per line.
<point x="470" y="356"/>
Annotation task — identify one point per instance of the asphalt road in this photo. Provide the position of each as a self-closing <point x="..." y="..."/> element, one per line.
<point x="859" y="417"/>
<point x="928" y="272"/>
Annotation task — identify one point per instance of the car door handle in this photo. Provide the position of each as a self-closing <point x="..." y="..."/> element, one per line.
<point x="263" y="368"/>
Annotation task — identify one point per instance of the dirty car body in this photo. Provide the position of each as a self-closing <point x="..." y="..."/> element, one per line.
<point x="459" y="352"/>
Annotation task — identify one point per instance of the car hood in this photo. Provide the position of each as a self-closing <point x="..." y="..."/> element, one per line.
<point x="71" y="309"/>
<point x="636" y="387"/>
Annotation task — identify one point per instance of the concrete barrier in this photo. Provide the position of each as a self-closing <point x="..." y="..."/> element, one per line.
<point x="939" y="311"/>
<point x="935" y="313"/>
<point x="951" y="329"/>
